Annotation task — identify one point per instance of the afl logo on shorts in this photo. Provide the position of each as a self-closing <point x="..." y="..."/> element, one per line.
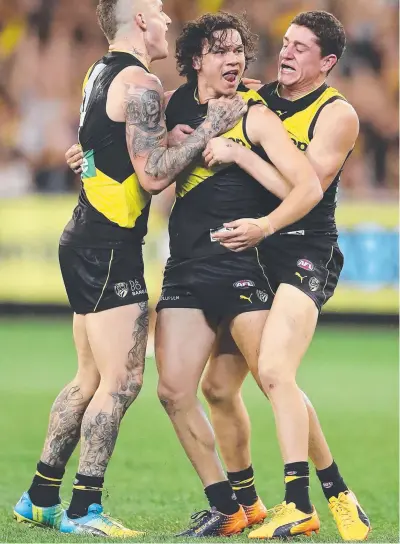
<point x="244" y="284"/>
<point x="305" y="264"/>
<point x="121" y="289"/>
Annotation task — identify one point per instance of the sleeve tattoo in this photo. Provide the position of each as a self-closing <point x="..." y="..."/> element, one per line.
<point x="147" y="135"/>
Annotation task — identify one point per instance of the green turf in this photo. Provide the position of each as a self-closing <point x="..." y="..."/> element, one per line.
<point x="350" y="374"/>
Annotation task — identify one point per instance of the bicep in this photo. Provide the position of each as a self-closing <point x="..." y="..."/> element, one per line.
<point x="280" y="149"/>
<point x="335" y="136"/>
<point x="145" y="121"/>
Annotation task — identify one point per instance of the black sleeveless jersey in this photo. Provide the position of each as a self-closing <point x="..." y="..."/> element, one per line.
<point x="207" y="198"/>
<point x="113" y="208"/>
<point x="299" y="117"/>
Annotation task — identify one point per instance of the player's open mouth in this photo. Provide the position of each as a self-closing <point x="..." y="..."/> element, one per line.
<point x="231" y="76"/>
<point x="286" y="69"/>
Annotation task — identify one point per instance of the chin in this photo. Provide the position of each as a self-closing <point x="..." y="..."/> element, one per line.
<point x="287" y="79"/>
<point x="161" y="55"/>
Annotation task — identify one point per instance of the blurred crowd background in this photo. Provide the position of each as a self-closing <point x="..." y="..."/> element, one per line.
<point x="46" y="47"/>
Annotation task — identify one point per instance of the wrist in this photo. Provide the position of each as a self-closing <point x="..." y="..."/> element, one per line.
<point x="209" y="129"/>
<point x="240" y="155"/>
<point x="266" y="226"/>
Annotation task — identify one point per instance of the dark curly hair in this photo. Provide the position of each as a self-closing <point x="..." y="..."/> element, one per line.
<point x="331" y="36"/>
<point x="191" y="40"/>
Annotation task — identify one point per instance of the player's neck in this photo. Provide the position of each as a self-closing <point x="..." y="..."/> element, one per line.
<point x="204" y="93"/>
<point x="128" y="46"/>
<point x="296" y="92"/>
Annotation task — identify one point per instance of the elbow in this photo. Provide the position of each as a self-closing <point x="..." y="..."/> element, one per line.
<point x="155" y="186"/>
<point x="315" y="193"/>
<point x="319" y="193"/>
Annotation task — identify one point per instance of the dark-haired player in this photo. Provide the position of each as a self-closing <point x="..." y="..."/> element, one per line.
<point x="205" y="284"/>
<point x="303" y="263"/>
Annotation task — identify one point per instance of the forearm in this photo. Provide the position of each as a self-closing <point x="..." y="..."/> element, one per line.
<point x="300" y="201"/>
<point x="265" y="173"/>
<point x="165" y="163"/>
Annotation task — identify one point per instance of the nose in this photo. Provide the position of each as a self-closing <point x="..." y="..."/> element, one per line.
<point x="288" y="52"/>
<point x="167" y="20"/>
<point x="232" y="58"/>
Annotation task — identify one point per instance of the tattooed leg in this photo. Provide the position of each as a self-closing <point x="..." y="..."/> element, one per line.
<point x="67" y="411"/>
<point x="180" y="365"/>
<point x="121" y="372"/>
<point x="65" y="425"/>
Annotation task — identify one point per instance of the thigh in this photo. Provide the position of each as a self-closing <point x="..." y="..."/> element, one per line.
<point x="288" y="330"/>
<point x="118" y="339"/>
<point x="84" y="351"/>
<point x="227" y="368"/>
<point x="247" y="330"/>
<point x="183" y="343"/>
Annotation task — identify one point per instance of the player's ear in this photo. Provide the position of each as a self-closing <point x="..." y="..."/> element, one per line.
<point x="196" y="63"/>
<point x="328" y="63"/>
<point x="141" y="21"/>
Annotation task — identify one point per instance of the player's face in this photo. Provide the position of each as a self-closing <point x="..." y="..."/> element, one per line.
<point x="157" y="22"/>
<point x="300" y="58"/>
<point x="222" y="64"/>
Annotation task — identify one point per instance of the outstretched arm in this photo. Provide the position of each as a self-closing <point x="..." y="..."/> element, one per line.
<point x="156" y="165"/>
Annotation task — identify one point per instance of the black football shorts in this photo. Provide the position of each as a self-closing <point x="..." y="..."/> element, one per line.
<point x="310" y="262"/>
<point x="222" y="285"/>
<point x="101" y="279"/>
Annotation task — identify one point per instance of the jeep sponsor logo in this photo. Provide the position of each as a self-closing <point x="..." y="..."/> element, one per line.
<point x="244" y="284"/>
<point x="314" y="284"/>
<point x="305" y="264"/>
<point x="121" y="289"/>
<point x="262" y="295"/>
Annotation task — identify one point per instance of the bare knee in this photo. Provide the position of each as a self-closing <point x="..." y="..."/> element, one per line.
<point x="88" y="382"/>
<point x="273" y="378"/>
<point x="218" y="393"/>
<point x="173" y="398"/>
<point x="123" y="387"/>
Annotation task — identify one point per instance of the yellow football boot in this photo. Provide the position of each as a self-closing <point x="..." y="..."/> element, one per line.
<point x="287" y="521"/>
<point x="350" y="518"/>
<point x="256" y="513"/>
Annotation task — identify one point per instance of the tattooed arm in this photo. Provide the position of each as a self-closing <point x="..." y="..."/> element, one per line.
<point x="156" y="165"/>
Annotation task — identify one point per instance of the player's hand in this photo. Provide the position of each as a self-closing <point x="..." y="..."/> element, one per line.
<point x="243" y="234"/>
<point x="74" y="158"/>
<point x="220" y="151"/>
<point x="254" y="84"/>
<point x="224" y="113"/>
<point x="179" y="134"/>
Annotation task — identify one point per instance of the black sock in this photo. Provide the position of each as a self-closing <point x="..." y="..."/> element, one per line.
<point x="242" y="483"/>
<point x="86" y="491"/>
<point x="45" y="488"/>
<point x="331" y="481"/>
<point x="297" y="482"/>
<point x="222" y="497"/>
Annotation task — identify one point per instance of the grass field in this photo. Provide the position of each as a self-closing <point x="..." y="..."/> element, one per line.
<point x="351" y="374"/>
